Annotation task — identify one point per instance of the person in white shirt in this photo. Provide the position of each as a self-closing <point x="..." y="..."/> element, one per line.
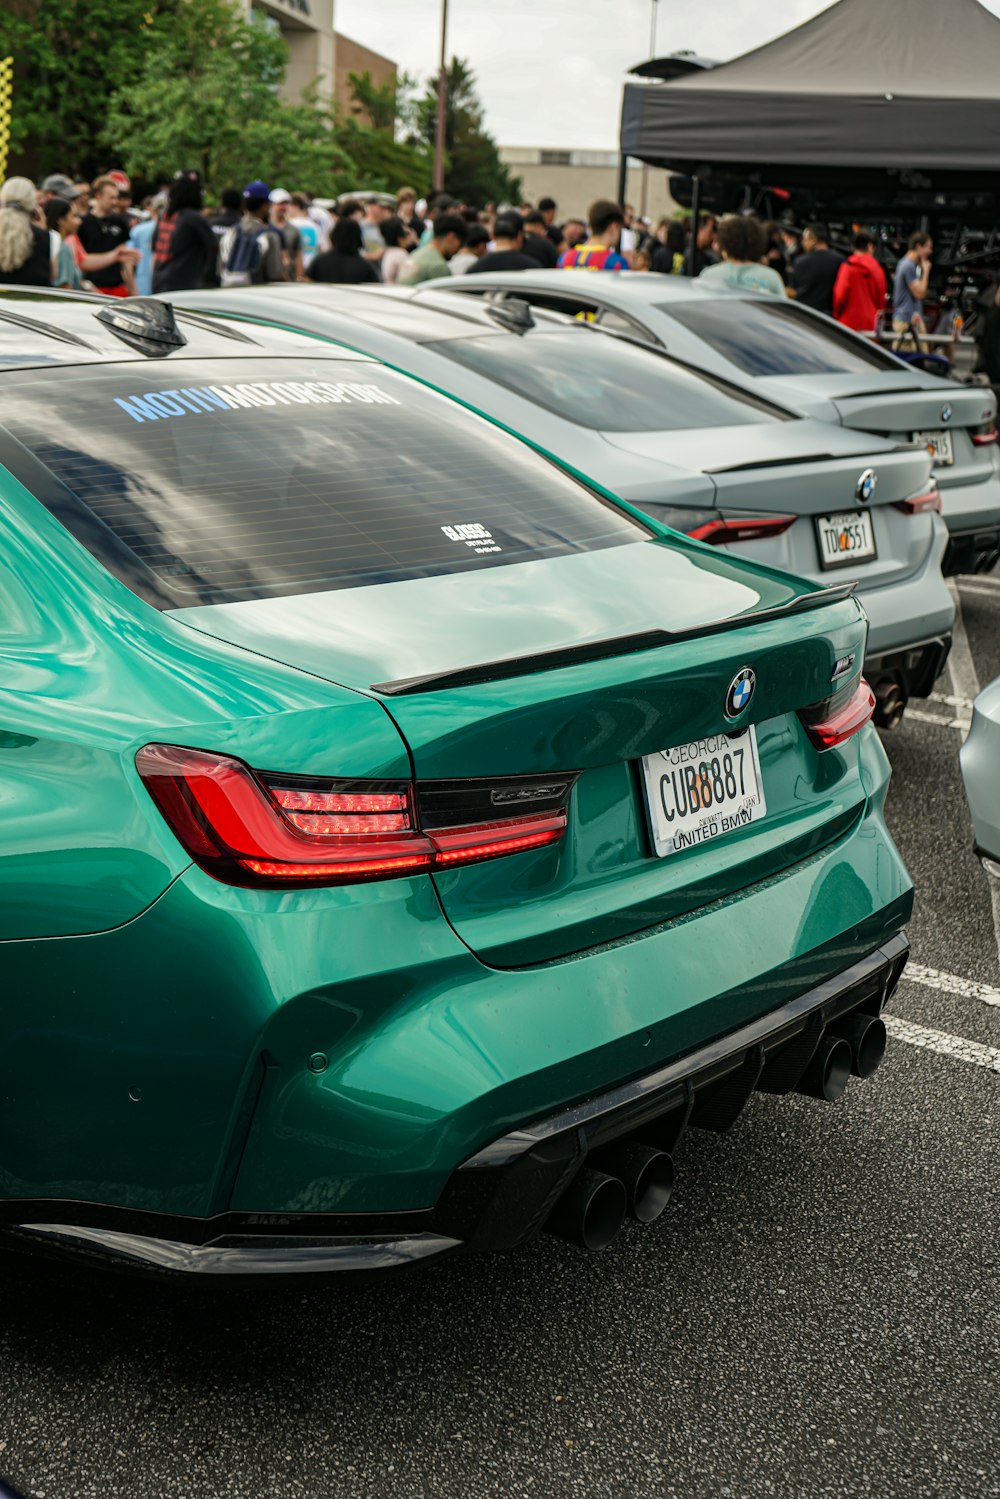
<point x="308" y="230"/>
<point x="629" y="238"/>
<point x="399" y="240"/>
<point x="477" y="245"/>
<point x="324" y="222"/>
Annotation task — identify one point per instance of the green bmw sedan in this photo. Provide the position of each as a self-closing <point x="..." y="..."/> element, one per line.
<point x="403" y="842"/>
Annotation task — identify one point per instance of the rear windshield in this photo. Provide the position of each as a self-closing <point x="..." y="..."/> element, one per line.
<point x="212" y="482"/>
<point x="605" y="384"/>
<point x="772" y="338"/>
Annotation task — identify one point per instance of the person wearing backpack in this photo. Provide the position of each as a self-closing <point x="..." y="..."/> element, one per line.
<point x="184" y="246"/>
<point x="251" y="252"/>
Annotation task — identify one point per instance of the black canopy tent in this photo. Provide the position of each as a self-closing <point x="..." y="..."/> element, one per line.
<point x="868" y="89"/>
<point x="677" y="65"/>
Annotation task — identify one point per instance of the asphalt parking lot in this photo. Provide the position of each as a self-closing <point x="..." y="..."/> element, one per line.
<point x="815" y="1315"/>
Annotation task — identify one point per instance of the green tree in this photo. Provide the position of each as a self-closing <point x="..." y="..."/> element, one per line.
<point x="69" y="58"/>
<point x="376" y="102"/>
<point x="474" y="172"/>
<point x="207" y="96"/>
<point x="368" y="134"/>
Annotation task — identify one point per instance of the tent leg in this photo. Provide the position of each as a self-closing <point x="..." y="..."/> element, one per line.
<point x="622" y="179"/>
<point x="695" y="210"/>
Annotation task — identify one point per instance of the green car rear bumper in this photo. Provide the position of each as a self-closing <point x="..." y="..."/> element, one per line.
<point x="332" y="1080"/>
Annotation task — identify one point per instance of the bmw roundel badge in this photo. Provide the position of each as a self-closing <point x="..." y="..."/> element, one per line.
<point x="740" y="692"/>
<point x="946" y="413"/>
<point x="867" y="485"/>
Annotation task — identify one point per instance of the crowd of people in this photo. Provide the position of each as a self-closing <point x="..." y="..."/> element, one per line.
<point x="741" y="251"/>
<point x="96" y="236"/>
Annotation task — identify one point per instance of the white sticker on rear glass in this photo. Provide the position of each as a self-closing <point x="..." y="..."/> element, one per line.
<point x="196" y="400"/>
<point x="473" y="534"/>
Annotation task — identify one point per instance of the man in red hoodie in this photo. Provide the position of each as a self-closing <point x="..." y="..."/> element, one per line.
<point x="859" y="291"/>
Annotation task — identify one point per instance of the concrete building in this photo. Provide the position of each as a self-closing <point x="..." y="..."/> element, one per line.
<point x="316" y="51"/>
<point x="576" y="178"/>
<point x="307" y="27"/>
<point x="351" y="57"/>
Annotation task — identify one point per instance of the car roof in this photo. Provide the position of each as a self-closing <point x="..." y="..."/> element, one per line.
<point x="40" y="327"/>
<point x="422" y="320"/>
<point x="400" y="316"/>
<point x="647" y="286"/>
<point x="395" y="310"/>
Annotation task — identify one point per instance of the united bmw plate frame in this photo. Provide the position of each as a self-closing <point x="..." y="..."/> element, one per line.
<point x="700" y="791"/>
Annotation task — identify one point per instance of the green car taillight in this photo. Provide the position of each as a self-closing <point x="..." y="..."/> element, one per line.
<point x="841" y="716"/>
<point x="255" y="828"/>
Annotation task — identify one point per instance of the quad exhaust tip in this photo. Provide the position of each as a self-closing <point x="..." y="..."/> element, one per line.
<point x="627" y="1178"/>
<point x="867" y="1037"/>
<point x="829" y="1071"/>
<point x="890" y="703"/>
<point x="853" y="1046"/>
<point x="591" y="1211"/>
<point x="646" y="1173"/>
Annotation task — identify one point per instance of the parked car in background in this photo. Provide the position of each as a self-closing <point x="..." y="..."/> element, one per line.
<point x="981" y="773"/>
<point x="696" y="452"/>
<point x="427" y="839"/>
<point x="808" y="363"/>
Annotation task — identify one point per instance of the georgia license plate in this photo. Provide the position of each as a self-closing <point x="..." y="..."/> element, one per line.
<point x="701" y="791"/>
<point x="845" y="538"/>
<point x="939" y="445"/>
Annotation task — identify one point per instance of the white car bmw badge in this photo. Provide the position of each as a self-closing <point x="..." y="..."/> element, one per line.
<point x="867" y="485"/>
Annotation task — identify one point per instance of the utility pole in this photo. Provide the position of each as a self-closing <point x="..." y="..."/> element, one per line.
<point x="644" y="190"/>
<point x="652" y="29"/>
<point x="442" y="103"/>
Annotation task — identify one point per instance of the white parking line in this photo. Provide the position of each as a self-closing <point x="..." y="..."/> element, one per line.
<point x="914" y="715"/>
<point x="979" y="580"/>
<point x="950" y="701"/>
<point x="983" y="593"/>
<point x="950" y="983"/>
<point x="943" y="1044"/>
<point x="961" y="667"/>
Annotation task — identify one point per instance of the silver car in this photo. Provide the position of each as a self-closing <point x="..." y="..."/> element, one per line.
<point x="699" y="454"/>
<point x="808" y="363"/>
<point x="981" y="772"/>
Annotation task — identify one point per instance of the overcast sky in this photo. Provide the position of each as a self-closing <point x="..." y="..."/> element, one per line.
<point x="550" y="71"/>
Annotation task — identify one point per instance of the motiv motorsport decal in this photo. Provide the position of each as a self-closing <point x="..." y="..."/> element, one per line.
<point x="196" y="400"/>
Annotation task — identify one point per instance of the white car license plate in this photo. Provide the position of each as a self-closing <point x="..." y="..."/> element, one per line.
<point x="940" y="446"/>
<point x="702" y="791"/>
<point x="845" y="538"/>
